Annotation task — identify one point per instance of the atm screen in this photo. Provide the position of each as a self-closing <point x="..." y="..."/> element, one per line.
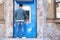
<point x="28" y="14"/>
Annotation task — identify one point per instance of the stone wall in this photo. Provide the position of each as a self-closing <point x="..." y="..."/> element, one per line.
<point x="52" y="31"/>
<point x="7" y="28"/>
<point x="45" y="31"/>
<point x="8" y="10"/>
<point x="9" y="17"/>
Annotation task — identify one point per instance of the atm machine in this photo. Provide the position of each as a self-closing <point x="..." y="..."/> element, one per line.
<point x="30" y="23"/>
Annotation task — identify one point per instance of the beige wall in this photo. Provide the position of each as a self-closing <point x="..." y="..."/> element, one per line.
<point x="51" y="14"/>
<point x="2" y="11"/>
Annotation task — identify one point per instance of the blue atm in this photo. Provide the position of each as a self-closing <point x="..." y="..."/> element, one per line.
<point x="28" y="28"/>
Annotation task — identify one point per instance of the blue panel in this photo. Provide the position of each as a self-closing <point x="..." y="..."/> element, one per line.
<point x="24" y="1"/>
<point x="15" y="29"/>
<point x="30" y="29"/>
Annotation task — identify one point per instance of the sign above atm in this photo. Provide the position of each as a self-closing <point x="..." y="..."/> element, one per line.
<point x="25" y="1"/>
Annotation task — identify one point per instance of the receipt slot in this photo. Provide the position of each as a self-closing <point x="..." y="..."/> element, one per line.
<point x="25" y="19"/>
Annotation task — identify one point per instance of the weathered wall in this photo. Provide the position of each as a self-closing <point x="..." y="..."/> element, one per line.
<point x="9" y="17"/>
<point x="48" y="31"/>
